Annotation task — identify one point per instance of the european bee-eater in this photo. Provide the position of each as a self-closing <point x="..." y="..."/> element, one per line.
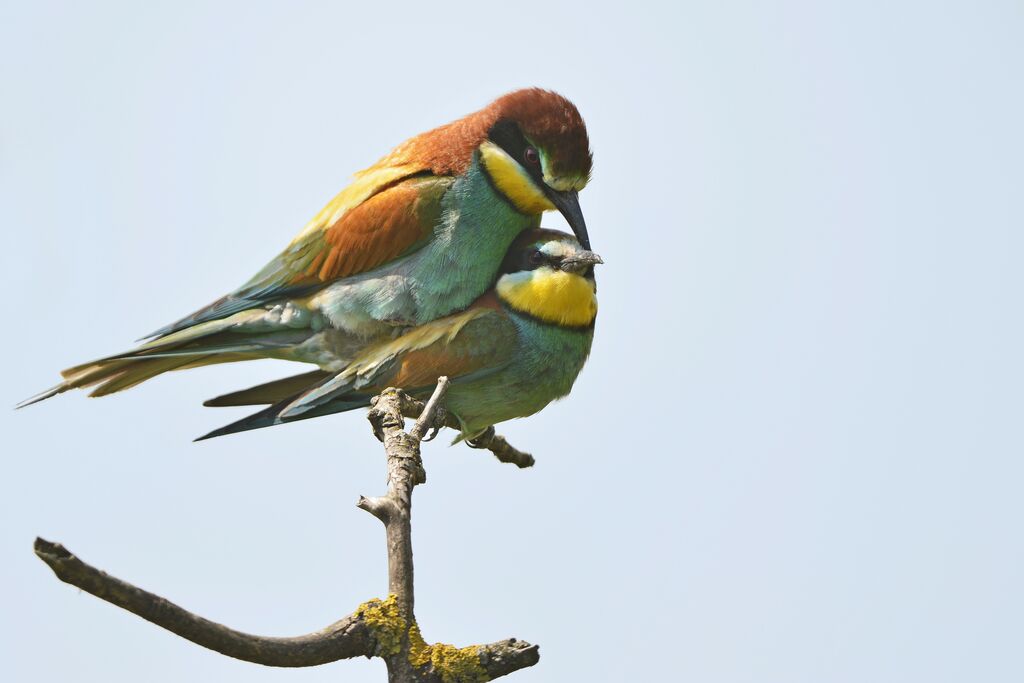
<point x="417" y="236"/>
<point x="511" y="352"/>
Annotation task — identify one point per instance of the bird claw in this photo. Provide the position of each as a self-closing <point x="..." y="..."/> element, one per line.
<point x="482" y="439"/>
<point x="433" y="432"/>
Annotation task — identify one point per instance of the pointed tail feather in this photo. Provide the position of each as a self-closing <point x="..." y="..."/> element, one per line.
<point x="264" y="418"/>
<point x="86" y="375"/>
<point x="205" y="344"/>
<point x="307" y="399"/>
<point x="269" y="393"/>
<point x="117" y="374"/>
<point x="41" y="396"/>
<point x="272" y="415"/>
<point x="142" y="370"/>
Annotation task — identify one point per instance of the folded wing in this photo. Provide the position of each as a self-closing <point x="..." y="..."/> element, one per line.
<point x="464" y="346"/>
<point x="388" y="212"/>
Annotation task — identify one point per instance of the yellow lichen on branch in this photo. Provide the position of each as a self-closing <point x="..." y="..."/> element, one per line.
<point x="385" y="622"/>
<point x="452" y="664"/>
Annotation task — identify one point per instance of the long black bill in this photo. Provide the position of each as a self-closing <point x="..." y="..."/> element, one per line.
<point x="568" y="204"/>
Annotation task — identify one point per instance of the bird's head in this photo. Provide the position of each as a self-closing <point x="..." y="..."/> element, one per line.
<point x="537" y="154"/>
<point x="532" y="143"/>
<point x="549" y="276"/>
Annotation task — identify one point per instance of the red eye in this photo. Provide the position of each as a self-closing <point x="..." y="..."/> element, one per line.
<point x="530" y="156"/>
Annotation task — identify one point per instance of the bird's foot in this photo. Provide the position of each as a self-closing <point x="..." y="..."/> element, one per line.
<point x="434" y="429"/>
<point x="481" y="440"/>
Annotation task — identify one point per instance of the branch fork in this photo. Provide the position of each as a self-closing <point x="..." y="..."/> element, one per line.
<point x="378" y="628"/>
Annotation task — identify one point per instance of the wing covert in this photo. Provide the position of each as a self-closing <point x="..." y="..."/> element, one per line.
<point x="466" y="345"/>
<point x="385" y="214"/>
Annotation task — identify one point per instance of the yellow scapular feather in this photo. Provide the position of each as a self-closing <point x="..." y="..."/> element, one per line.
<point x="366" y="183"/>
<point x="413" y="340"/>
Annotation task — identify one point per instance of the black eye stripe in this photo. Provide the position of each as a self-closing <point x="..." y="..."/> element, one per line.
<point x="506" y="134"/>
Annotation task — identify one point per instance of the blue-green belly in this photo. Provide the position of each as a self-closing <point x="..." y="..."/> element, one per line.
<point x="544" y="368"/>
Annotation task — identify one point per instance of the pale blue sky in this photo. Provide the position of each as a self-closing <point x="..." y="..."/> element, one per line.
<point x="811" y="215"/>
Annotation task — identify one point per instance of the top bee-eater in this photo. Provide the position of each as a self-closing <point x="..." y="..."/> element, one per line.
<point x="417" y="236"/>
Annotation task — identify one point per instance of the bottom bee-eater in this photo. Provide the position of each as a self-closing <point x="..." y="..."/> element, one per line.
<point x="514" y="350"/>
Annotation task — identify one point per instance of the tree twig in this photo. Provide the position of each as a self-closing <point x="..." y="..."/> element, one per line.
<point x="489" y="440"/>
<point x="385" y="629"/>
<point x="502" y="449"/>
<point x="350" y="637"/>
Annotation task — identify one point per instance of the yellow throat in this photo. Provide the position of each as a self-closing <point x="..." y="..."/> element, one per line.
<point x="553" y="296"/>
<point x="512" y="180"/>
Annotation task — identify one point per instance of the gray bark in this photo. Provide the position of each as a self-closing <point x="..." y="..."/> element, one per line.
<point x="385" y="629"/>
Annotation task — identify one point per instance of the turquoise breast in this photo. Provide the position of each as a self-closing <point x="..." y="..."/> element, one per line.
<point x="460" y="263"/>
<point x="547" y="362"/>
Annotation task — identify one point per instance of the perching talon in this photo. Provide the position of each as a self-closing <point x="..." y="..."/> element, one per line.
<point x="482" y="439"/>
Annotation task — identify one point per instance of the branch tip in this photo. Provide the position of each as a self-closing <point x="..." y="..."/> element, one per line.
<point x="349" y="637"/>
<point x="378" y="507"/>
<point x="431" y="411"/>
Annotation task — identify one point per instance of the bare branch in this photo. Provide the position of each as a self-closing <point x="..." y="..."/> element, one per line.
<point x="502" y="449"/>
<point x="381" y="508"/>
<point x="412" y="660"/>
<point x="385" y="629"/>
<point x="430" y="410"/>
<point x="350" y="637"/>
<point x="405" y="470"/>
<point x="507" y="656"/>
<point x="489" y="440"/>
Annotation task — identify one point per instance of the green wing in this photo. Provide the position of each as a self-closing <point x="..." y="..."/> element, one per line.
<point x="386" y="214"/>
<point x="464" y="346"/>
